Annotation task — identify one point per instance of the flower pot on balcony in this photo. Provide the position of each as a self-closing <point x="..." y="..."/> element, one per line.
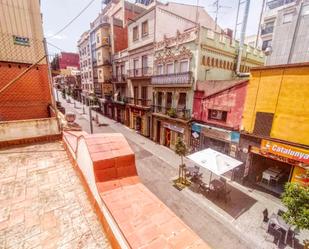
<point x="172" y="113"/>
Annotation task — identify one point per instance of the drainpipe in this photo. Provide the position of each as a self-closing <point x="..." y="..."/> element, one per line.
<point x="242" y="39"/>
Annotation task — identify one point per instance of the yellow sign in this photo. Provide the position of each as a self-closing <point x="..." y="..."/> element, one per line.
<point x="284" y="150"/>
<point x="300" y="176"/>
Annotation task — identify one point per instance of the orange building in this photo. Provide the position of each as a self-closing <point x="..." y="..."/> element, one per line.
<point x="25" y="92"/>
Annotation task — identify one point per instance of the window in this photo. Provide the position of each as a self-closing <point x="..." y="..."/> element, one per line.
<point x="184" y="66"/>
<point x="263" y="123"/>
<point x="217" y="115"/>
<point x="99" y="57"/>
<point x="287" y="18"/>
<point x="266" y="44"/>
<point x="98" y="39"/>
<point x="159" y="69"/>
<point x="135" y="33"/>
<point x="169" y="97"/>
<point x="160" y="95"/>
<point x="170" y="68"/>
<point x="135" y="67"/>
<point x="135" y="92"/>
<point x="145" y="28"/>
<point x="305" y="10"/>
<point x="182" y="100"/>
<point x="144" y="92"/>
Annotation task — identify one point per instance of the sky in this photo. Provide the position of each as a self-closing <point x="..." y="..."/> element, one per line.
<point x="57" y="13"/>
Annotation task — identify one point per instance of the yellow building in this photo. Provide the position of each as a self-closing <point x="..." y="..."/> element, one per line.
<point x="21" y="32"/>
<point x="275" y="127"/>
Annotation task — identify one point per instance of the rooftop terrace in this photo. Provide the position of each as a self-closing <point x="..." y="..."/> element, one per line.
<point x="42" y="201"/>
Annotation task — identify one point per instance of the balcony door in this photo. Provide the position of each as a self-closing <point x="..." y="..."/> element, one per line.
<point x="135" y="67"/>
<point x="144" y="64"/>
<point x="135" y="94"/>
<point x="144" y="95"/>
<point x="169" y="97"/>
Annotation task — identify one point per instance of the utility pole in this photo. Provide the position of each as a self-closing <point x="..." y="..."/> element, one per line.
<point x="90" y="120"/>
<point x="259" y="27"/>
<point x="217" y="6"/>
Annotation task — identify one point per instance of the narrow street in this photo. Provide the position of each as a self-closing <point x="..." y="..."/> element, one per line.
<point x="157" y="167"/>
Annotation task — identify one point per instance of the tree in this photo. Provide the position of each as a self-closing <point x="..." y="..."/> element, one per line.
<point x="181" y="150"/>
<point x="296" y="199"/>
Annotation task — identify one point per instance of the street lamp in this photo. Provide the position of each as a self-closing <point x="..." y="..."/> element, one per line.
<point x="90" y="117"/>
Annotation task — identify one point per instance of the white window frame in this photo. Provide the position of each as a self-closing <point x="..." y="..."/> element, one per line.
<point x="160" y="65"/>
<point x="170" y="63"/>
<point x="287" y="14"/>
<point x="188" y="65"/>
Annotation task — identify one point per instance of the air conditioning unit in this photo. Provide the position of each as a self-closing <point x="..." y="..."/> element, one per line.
<point x="215" y="114"/>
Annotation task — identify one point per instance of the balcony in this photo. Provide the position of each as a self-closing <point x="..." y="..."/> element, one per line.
<point x="119" y="79"/>
<point x="278" y="3"/>
<point x="172" y="79"/>
<point x="144" y="72"/>
<point x="139" y="102"/>
<point x="181" y="113"/>
<point x="267" y="30"/>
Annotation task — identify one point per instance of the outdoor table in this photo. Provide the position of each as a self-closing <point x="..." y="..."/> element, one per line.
<point x="278" y="220"/>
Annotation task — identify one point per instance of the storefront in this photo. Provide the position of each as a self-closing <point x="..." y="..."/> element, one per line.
<point x="107" y="107"/>
<point x="166" y="131"/>
<point x="139" y="119"/>
<point x="273" y="164"/>
<point x="119" y="112"/>
<point x="205" y="136"/>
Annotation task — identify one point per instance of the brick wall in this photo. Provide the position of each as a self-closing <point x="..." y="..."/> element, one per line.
<point x="28" y="97"/>
<point x="121" y="38"/>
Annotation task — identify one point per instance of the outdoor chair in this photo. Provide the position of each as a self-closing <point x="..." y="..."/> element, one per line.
<point x="293" y="233"/>
<point x="265" y="219"/>
<point x="276" y="232"/>
<point x="280" y="212"/>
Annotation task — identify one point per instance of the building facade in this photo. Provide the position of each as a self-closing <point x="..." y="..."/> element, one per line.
<point x="86" y="67"/>
<point x="273" y="140"/>
<point x="65" y="63"/>
<point x="282" y="17"/>
<point x="26" y="96"/>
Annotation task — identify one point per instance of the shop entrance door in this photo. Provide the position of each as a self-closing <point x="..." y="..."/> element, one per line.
<point x="167" y="137"/>
<point x="158" y="131"/>
<point x="138" y="124"/>
<point x="128" y="117"/>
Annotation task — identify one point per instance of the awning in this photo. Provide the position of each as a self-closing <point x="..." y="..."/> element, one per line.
<point x="218" y="163"/>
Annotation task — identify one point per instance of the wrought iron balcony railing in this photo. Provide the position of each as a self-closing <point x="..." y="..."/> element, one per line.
<point x="172" y="79"/>
<point x="273" y="4"/>
<point x="139" y="102"/>
<point x="181" y="113"/>
<point x="119" y="78"/>
<point x="140" y="72"/>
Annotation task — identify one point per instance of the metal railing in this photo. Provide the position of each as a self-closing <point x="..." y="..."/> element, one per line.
<point x="181" y="113"/>
<point x="139" y="102"/>
<point x="172" y="79"/>
<point x="119" y="78"/>
<point x="273" y="4"/>
<point x="140" y="72"/>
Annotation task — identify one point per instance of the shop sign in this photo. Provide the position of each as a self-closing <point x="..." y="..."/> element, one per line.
<point x="107" y="88"/>
<point x="235" y="136"/>
<point x="195" y="127"/>
<point x="216" y="133"/>
<point x="23" y="41"/>
<point x="284" y="150"/>
<point x="300" y="176"/>
<point x="174" y="128"/>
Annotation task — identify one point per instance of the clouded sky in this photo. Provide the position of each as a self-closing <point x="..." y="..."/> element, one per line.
<point x="57" y="13"/>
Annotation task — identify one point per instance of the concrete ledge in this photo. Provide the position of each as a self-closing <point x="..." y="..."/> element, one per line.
<point x="132" y="217"/>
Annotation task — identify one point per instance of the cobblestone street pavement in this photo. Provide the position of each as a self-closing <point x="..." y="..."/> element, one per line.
<point x="43" y="203"/>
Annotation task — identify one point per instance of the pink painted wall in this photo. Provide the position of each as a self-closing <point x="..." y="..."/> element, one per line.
<point x="231" y="100"/>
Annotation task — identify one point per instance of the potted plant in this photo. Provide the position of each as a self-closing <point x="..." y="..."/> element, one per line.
<point x="172" y="113"/>
<point x="181" y="150"/>
<point x="296" y="200"/>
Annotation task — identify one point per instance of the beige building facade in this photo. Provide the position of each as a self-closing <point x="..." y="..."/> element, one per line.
<point x="21" y="32"/>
